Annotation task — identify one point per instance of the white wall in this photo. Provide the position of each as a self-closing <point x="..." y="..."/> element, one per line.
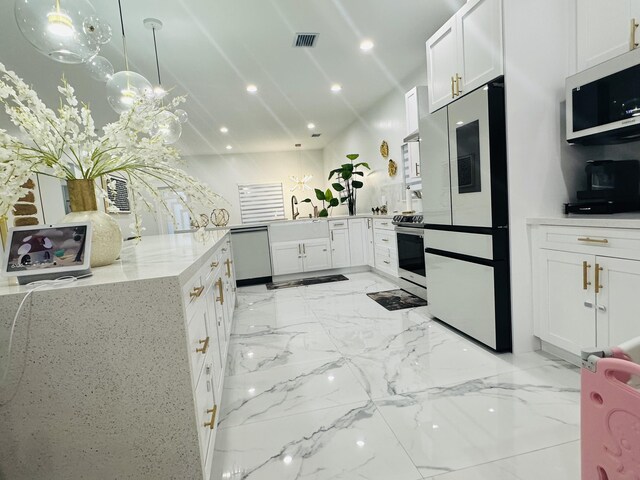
<point x="543" y="170"/>
<point x="385" y="120"/>
<point x="223" y="173"/>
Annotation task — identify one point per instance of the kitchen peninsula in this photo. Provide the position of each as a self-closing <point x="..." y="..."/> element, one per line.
<point x="120" y="375"/>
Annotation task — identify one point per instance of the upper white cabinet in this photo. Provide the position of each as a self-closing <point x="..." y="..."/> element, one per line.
<point x="415" y="101"/>
<point x="605" y="29"/>
<point x="465" y="53"/>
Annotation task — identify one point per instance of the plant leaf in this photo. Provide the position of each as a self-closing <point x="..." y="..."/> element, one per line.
<point x="319" y="194"/>
<point x="344" y="199"/>
<point x="357" y="184"/>
<point x="353" y="156"/>
<point x="359" y="173"/>
<point x="323" y="213"/>
<point x="334" y="202"/>
<point x="364" y="164"/>
<point x="346" y="166"/>
<point x="346" y="175"/>
<point x="333" y="172"/>
<point x="337" y="187"/>
<point x="328" y="195"/>
<point x="306" y="200"/>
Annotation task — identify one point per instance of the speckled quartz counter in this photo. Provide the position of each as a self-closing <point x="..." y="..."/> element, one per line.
<point x="101" y="380"/>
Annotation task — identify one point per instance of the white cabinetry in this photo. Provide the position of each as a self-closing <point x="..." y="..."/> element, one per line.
<point x="371" y="259"/>
<point x="386" y="249"/>
<point x="605" y="29"/>
<point x="465" y="53"/>
<point x="416" y="104"/>
<point x="585" y="284"/>
<point x="300" y="256"/>
<point x="359" y="241"/>
<point x="340" y="247"/>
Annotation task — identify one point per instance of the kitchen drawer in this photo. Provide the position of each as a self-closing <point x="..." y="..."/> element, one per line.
<point x="338" y="224"/>
<point x="199" y="341"/>
<point x="193" y="293"/>
<point x="382" y="224"/>
<point x="211" y="265"/>
<point x="386" y="260"/>
<point x="611" y="242"/>
<point x="385" y="238"/>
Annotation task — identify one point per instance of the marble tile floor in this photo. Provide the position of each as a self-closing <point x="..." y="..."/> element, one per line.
<point x="323" y="383"/>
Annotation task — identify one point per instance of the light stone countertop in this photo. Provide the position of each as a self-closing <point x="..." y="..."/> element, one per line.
<point x="616" y="220"/>
<point x="273" y="222"/>
<point x="153" y="257"/>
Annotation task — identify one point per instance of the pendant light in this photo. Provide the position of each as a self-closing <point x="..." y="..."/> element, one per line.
<point x="300" y="183"/>
<point x="167" y="124"/>
<point x="67" y="31"/>
<point x="125" y="87"/>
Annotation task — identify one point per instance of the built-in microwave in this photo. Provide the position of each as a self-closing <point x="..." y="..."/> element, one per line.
<point x="603" y="102"/>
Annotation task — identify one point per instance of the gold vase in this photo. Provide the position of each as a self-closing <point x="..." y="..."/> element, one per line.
<point x="106" y="237"/>
<point x="4" y="230"/>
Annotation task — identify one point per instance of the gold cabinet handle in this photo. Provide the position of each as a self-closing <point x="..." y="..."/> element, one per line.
<point x="458" y="78"/>
<point x="585" y="275"/>
<point x="387" y="262"/>
<point x="196" y="292"/>
<point x="228" y="263"/>
<point x="220" y="291"/>
<point x="597" y="278"/>
<point x="212" y="423"/>
<point x="453" y="83"/>
<point x="205" y="346"/>
<point x="592" y="240"/>
<point x="632" y="36"/>
<point x="214" y="265"/>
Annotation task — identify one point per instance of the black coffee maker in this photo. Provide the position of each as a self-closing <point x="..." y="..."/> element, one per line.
<point x="612" y="187"/>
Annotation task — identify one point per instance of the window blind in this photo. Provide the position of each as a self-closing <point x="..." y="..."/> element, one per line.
<point x="261" y="202"/>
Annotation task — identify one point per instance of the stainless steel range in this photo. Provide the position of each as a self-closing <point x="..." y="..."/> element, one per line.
<point x="411" y="258"/>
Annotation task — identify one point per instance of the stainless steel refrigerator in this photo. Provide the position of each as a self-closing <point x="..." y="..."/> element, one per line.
<point x="465" y="209"/>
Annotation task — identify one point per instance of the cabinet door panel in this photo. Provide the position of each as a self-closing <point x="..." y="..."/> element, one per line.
<point x="618" y="308"/>
<point x="286" y="258"/>
<point x="411" y="110"/>
<point x="358" y="242"/>
<point x="371" y="255"/>
<point x="603" y="30"/>
<point x="317" y="255"/>
<point x="479" y="33"/>
<point x="565" y="321"/>
<point x="340" y="248"/>
<point x="441" y="65"/>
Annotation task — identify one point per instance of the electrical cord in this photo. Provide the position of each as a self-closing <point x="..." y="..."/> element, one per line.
<point x="38" y="285"/>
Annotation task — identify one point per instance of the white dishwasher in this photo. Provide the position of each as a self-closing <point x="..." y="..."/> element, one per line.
<point x="251" y="254"/>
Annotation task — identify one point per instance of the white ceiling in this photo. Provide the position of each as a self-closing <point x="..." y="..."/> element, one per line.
<point x="210" y="50"/>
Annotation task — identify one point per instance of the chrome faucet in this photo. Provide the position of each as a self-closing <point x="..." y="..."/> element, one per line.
<point x="294" y="201"/>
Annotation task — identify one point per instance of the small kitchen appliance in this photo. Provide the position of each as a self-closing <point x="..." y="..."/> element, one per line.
<point x="612" y="187"/>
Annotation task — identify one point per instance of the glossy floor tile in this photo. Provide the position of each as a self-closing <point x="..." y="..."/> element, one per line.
<point x="323" y="383"/>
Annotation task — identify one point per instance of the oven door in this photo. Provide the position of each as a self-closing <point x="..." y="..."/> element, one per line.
<point x="411" y="261"/>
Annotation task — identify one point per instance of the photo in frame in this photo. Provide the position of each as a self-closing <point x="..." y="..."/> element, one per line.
<point x="117" y="189"/>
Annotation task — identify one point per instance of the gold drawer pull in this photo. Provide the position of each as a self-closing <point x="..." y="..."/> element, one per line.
<point x="228" y="264"/>
<point x="385" y="239"/>
<point x="205" y="346"/>
<point x="585" y="275"/>
<point x="597" y="279"/>
<point x="592" y="240"/>
<point x="212" y="423"/>
<point x="632" y="38"/>
<point x="220" y="291"/>
<point x="196" y="292"/>
<point x="214" y="265"/>
<point x="387" y="262"/>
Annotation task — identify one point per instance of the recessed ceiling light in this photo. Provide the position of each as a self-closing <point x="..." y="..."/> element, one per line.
<point x="366" y="45"/>
<point x="229" y="147"/>
<point x="336" y="87"/>
<point x="311" y="126"/>
<point x="252" y="88"/>
<point x="224" y="129"/>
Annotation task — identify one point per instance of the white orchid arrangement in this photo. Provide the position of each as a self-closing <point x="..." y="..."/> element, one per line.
<point x="64" y="144"/>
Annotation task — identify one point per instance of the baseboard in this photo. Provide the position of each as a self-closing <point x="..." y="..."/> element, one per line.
<point x="253" y="281"/>
<point x="561" y="353"/>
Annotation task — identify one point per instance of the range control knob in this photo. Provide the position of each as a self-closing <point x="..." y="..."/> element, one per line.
<point x="418" y="219"/>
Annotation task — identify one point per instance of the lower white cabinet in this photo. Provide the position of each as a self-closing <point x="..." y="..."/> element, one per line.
<point x="340" y="251"/>
<point x="300" y="256"/>
<point x="359" y="241"/>
<point x="371" y="250"/>
<point x="385" y="247"/>
<point x="583" y="295"/>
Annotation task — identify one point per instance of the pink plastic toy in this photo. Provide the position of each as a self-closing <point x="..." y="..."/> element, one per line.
<point x="610" y="414"/>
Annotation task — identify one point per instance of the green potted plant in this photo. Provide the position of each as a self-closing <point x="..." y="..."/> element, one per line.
<point x="347" y="175"/>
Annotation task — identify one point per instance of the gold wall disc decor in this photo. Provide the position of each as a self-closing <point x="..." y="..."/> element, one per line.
<point x="384" y="149"/>
<point x="393" y="168"/>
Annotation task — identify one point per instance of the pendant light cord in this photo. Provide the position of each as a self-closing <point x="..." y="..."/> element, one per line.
<point x="155" y="46"/>
<point x="124" y="38"/>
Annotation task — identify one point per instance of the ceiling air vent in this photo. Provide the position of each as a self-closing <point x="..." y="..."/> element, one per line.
<point x="305" y="40"/>
<point x="315" y="135"/>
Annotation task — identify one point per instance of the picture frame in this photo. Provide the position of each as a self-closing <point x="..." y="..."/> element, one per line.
<point x="117" y="189"/>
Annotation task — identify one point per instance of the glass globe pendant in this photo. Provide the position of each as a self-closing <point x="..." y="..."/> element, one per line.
<point x="125" y="88"/>
<point x="58" y="28"/>
<point x="100" y="69"/>
<point x="168" y="127"/>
